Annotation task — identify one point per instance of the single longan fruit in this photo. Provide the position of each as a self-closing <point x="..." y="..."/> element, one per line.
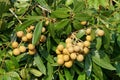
<point x="14" y="44"/>
<point x="20" y="34"/>
<point x="60" y="47"/>
<point x="86" y="50"/>
<point x="32" y="52"/>
<point x="68" y="64"/>
<point x="66" y="57"/>
<point x="70" y="49"/>
<point x="43" y="29"/>
<point x="60" y="61"/>
<point x="73" y="56"/>
<point x="76" y="48"/>
<point x="81" y="44"/>
<point x="88" y="31"/>
<point x="83" y="23"/>
<point x="100" y="32"/>
<point x="86" y="43"/>
<point x="24" y="38"/>
<point x="42" y="38"/>
<point x="47" y="22"/>
<point x="65" y="51"/>
<point x="60" y="56"/>
<point x="29" y="35"/>
<point x="22" y="48"/>
<point x="88" y="38"/>
<point x="28" y="30"/>
<point x="80" y="58"/>
<point x="68" y="40"/>
<point x="32" y="27"/>
<point x="68" y="45"/>
<point x="16" y="51"/>
<point x="31" y="47"/>
<point x="57" y="51"/>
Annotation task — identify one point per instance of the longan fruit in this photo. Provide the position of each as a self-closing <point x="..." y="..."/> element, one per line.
<point x="68" y="64"/>
<point x="66" y="57"/>
<point x="85" y="50"/>
<point x="20" y="34"/>
<point x="73" y="56"/>
<point x="42" y="38"/>
<point x="70" y="49"/>
<point x="68" y="45"/>
<point x="76" y="48"/>
<point x="31" y="47"/>
<point x="60" y="47"/>
<point x="83" y="23"/>
<point x="16" y="51"/>
<point x="22" y="48"/>
<point x="28" y="30"/>
<point x="88" y="38"/>
<point x="86" y="43"/>
<point x="81" y="44"/>
<point x="57" y="51"/>
<point x="88" y="31"/>
<point x="24" y="38"/>
<point x="14" y="44"/>
<point x="60" y="56"/>
<point x="68" y="40"/>
<point x="29" y="35"/>
<point x="43" y="29"/>
<point x="100" y="32"/>
<point x="65" y="51"/>
<point x="32" y="52"/>
<point x="47" y="22"/>
<point x="80" y="58"/>
<point x="60" y="61"/>
<point x="32" y="27"/>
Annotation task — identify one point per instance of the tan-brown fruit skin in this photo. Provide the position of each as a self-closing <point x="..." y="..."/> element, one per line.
<point x="14" y="44"/>
<point x="42" y="38"/>
<point x="60" y="61"/>
<point x="68" y="64"/>
<point x="16" y="51"/>
<point x="32" y="52"/>
<point x="88" y="38"/>
<point x="85" y="50"/>
<point x="32" y="27"/>
<point x="66" y="57"/>
<point x="100" y="32"/>
<point x="29" y="35"/>
<point x="70" y="49"/>
<point x="20" y="34"/>
<point x="60" y="47"/>
<point x="22" y="48"/>
<point x="83" y="23"/>
<point x="73" y="56"/>
<point x="65" y="51"/>
<point x="68" y="40"/>
<point x="31" y="46"/>
<point x="57" y="52"/>
<point x="80" y="58"/>
<point x="86" y="43"/>
<point x="24" y="38"/>
<point x="43" y="29"/>
<point x="76" y="48"/>
<point x="88" y="31"/>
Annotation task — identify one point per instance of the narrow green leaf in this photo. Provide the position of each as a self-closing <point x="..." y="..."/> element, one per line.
<point x="60" y="25"/>
<point x="69" y="29"/>
<point x="117" y="65"/>
<point x="88" y="65"/>
<point x="34" y="17"/>
<point x="14" y="75"/>
<point x="97" y="71"/>
<point x="49" y="71"/>
<point x="80" y="34"/>
<point x="98" y="43"/>
<point x="118" y="40"/>
<point x="101" y="59"/>
<point x="36" y="72"/>
<point x="81" y="76"/>
<point x="37" y="33"/>
<point x="39" y="63"/>
<point x="77" y="25"/>
<point x="68" y="75"/>
<point x="48" y="43"/>
<point x="24" y="25"/>
<point x="61" y="76"/>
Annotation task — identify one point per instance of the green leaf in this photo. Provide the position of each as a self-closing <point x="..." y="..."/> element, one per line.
<point x="118" y="40"/>
<point x="82" y="16"/>
<point x="36" y="72"/>
<point x="48" y="43"/>
<point x="2" y="71"/>
<point x="24" y="25"/>
<point x="117" y="65"/>
<point x="97" y="71"/>
<point x="69" y="29"/>
<point x="80" y="33"/>
<point x="14" y="75"/>
<point x="101" y="59"/>
<point x="77" y="25"/>
<point x="39" y="63"/>
<point x="61" y="13"/>
<point x="68" y="2"/>
<point x="49" y="71"/>
<point x="81" y="76"/>
<point x="68" y="75"/>
<point x="36" y="18"/>
<point x="60" y="25"/>
<point x="98" y="43"/>
<point x="88" y="65"/>
<point x="9" y="65"/>
<point x="61" y="76"/>
<point x="37" y="33"/>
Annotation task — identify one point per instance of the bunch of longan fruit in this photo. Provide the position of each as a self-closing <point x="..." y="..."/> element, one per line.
<point x="25" y="41"/>
<point x="74" y="49"/>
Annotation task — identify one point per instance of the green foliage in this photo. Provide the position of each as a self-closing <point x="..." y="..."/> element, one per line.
<point x="60" y="18"/>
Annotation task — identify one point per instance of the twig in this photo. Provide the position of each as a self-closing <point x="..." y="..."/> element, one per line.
<point x="15" y="16"/>
<point x="44" y="8"/>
